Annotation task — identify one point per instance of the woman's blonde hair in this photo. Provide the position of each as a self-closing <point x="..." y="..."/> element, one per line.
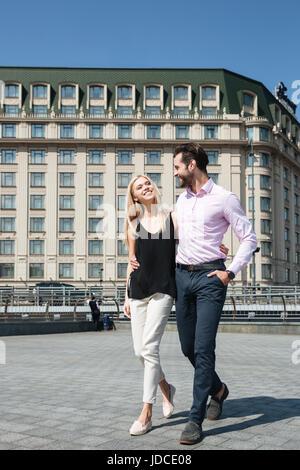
<point x="135" y="209"/>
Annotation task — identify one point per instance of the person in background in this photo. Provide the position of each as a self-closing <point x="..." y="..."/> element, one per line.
<point x="95" y="311"/>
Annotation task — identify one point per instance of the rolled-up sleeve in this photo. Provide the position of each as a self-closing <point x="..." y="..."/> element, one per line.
<point x="242" y="228"/>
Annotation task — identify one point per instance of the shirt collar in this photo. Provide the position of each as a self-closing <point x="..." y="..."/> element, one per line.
<point x="204" y="190"/>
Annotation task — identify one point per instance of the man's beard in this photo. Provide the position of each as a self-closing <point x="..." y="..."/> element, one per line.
<point x="186" y="181"/>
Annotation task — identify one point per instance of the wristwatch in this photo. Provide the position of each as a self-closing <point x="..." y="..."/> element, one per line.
<point x="231" y="275"/>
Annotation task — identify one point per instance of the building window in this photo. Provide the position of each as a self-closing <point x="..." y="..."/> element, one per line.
<point x="153" y="157"/>
<point x="266" y="248"/>
<point x="67" y="131"/>
<point x="96" y="92"/>
<point x="37" y="201"/>
<point x="39" y="110"/>
<point x="209" y="111"/>
<point x="124" y="179"/>
<point x="8" y="157"/>
<point x="298" y="257"/>
<point x="7" y="247"/>
<point x="7" y="270"/>
<point x="265" y="182"/>
<point x="68" y="91"/>
<point x="248" y="100"/>
<point x="265" y="204"/>
<point x="296" y="200"/>
<point x="121" y="202"/>
<point x="95" y="224"/>
<point x="210" y="132"/>
<point x="37" y="157"/>
<point x="8" y="201"/>
<point x="121" y="225"/>
<point x="286" y="234"/>
<point x="95" y="270"/>
<point x="181" y="110"/>
<point x="66" y="224"/>
<point x="182" y="132"/>
<point x="37" y="224"/>
<point x="8" y="180"/>
<point x="95" y="157"/>
<point x="296" y="219"/>
<point x="122" y="270"/>
<point x="68" y="110"/>
<point x="66" y="270"/>
<point x="66" y="201"/>
<point x="250" y="133"/>
<point x="285" y="173"/>
<point x="213" y="157"/>
<point x="286" y="213"/>
<point x="9" y="130"/>
<point x="287" y="254"/>
<point x="285" y="194"/>
<point x="214" y="177"/>
<point x="265" y="226"/>
<point x="40" y="91"/>
<point x="125" y="131"/>
<point x="208" y="93"/>
<point x="251" y="203"/>
<point x="36" y="247"/>
<point x="66" y="157"/>
<point x="297" y="238"/>
<point x="250" y="182"/>
<point x="66" y="247"/>
<point x="96" y="131"/>
<point x="11" y="110"/>
<point x="95" y="202"/>
<point x="287" y="275"/>
<point x="153" y="131"/>
<point x="124" y="92"/>
<point x="95" y="180"/>
<point x="295" y="181"/>
<point x="266" y="271"/>
<point x="124" y="157"/>
<point x="38" y="131"/>
<point x="95" y="247"/>
<point x="66" y="180"/>
<point x="122" y="249"/>
<point x="96" y="110"/>
<point x="153" y="110"/>
<point x="124" y="110"/>
<point x="181" y="93"/>
<point x="156" y="178"/>
<point x="263" y="134"/>
<point x="152" y="92"/>
<point x="11" y="91"/>
<point x="264" y="160"/>
<point x="8" y="224"/>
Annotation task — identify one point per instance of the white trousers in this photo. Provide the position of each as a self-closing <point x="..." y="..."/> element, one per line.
<point x="149" y="317"/>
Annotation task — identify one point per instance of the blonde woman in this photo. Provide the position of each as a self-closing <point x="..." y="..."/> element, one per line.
<point x="150" y="236"/>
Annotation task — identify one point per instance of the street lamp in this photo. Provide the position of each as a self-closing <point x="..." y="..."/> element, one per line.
<point x="253" y="159"/>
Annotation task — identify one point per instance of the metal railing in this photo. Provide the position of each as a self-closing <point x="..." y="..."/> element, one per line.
<point x="243" y="303"/>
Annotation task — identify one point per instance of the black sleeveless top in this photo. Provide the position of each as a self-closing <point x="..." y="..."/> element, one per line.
<point x="156" y="254"/>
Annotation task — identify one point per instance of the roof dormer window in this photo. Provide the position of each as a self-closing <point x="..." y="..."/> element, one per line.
<point x="124" y="92"/>
<point x="12" y="91"/>
<point x="68" y="91"/>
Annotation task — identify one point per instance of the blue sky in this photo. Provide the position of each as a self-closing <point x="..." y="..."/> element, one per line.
<point x="259" y="39"/>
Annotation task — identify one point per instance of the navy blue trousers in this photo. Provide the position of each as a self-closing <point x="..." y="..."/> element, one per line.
<point x="199" y="305"/>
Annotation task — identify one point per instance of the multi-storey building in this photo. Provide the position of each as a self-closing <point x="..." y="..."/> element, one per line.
<point x="71" y="139"/>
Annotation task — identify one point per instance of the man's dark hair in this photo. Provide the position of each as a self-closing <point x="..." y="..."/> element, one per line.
<point x="190" y="152"/>
<point x="93" y="297"/>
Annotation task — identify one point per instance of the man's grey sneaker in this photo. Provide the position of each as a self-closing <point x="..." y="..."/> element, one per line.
<point x="191" y="434"/>
<point x="214" y="409"/>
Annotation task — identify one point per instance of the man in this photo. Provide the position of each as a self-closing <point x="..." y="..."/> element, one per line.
<point x="95" y="311"/>
<point x="204" y="213"/>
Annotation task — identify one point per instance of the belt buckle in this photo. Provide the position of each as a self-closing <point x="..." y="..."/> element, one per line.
<point x="190" y="267"/>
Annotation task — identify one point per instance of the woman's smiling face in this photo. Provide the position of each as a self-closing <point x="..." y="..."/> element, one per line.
<point x="143" y="190"/>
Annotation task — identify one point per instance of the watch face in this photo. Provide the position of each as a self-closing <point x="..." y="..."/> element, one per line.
<point x="231" y="275"/>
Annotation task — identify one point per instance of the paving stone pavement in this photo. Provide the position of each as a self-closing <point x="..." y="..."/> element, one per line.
<point x="83" y="391"/>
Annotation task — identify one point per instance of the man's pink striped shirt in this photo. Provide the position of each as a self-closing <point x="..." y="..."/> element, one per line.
<point x="204" y="218"/>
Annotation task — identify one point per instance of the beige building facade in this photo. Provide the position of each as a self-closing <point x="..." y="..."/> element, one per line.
<point x="72" y="139"/>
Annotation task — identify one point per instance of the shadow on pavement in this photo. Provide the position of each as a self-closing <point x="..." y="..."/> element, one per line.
<point x="270" y="410"/>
